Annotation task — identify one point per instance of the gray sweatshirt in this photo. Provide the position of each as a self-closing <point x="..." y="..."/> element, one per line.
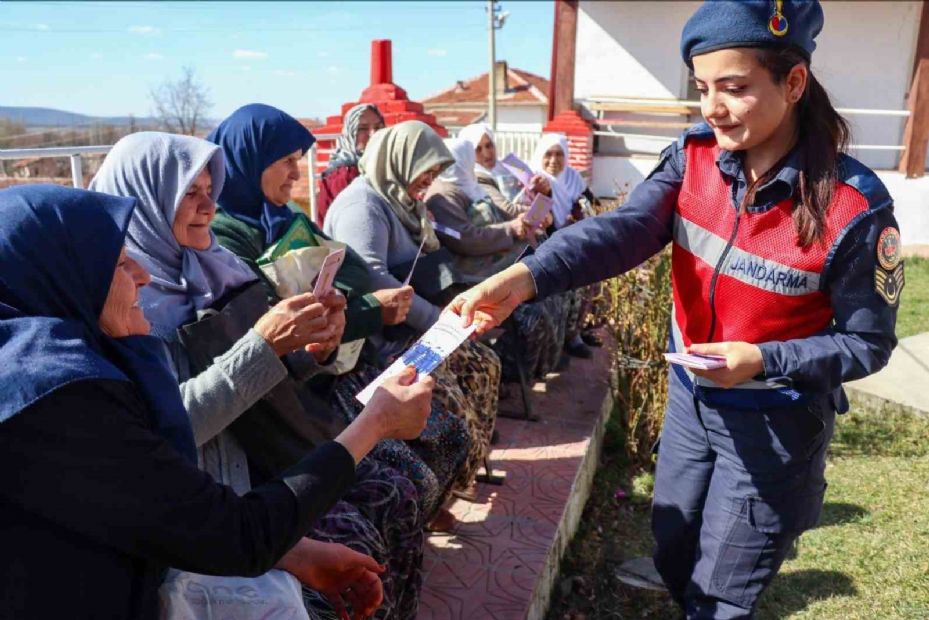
<point x="217" y="396"/>
<point x="362" y="219"/>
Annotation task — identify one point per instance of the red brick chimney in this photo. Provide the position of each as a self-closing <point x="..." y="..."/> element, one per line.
<point x="390" y="99"/>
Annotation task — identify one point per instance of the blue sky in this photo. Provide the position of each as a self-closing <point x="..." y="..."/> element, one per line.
<point x="102" y="58"/>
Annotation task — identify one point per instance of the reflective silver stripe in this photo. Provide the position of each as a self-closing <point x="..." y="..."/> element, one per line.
<point x="678" y="341"/>
<point x="744" y="266"/>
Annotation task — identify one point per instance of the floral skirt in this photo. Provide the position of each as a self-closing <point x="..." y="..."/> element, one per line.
<point x="534" y="337"/>
<point x="468" y="385"/>
<point x="379" y="516"/>
<point x="432" y="461"/>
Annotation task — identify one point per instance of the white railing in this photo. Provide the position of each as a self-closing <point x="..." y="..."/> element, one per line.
<point x="647" y="106"/>
<point x="72" y="152"/>
<point x="522" y="143"/>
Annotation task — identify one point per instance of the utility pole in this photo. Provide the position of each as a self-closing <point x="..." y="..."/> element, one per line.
<point x="495" y="21"/>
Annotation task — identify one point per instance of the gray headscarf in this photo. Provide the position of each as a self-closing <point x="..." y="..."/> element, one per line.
<point x="345" y="153"/>
<point x="157" y="169"/>
<point x="393" y="159"/>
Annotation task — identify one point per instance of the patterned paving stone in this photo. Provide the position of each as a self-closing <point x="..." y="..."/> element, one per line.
<point x="493" y="565"/>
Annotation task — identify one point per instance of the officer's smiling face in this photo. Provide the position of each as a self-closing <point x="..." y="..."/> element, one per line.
<point x="740" y="100"/>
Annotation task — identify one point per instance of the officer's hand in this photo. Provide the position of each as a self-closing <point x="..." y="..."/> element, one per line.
<point x="489" y="303"/>
<point x="743" y="362"/>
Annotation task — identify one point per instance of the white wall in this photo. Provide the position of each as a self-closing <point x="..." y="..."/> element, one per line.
<point x="630" y="49"/>
<point x="864" y="58"/>
<point x="521" y="118"/>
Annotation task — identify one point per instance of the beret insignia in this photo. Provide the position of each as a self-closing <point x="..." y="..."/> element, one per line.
<point x="778" y="23"/>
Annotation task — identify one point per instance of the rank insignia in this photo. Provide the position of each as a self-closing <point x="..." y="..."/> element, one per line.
<point x="778" y="23"/>
<point x="888" y="248"/>
<point x="889" y="283"/>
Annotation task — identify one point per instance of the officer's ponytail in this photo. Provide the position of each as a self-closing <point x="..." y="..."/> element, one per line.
<point x="822" y="135"/>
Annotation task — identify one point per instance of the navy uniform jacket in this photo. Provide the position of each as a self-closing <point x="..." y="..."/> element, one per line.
<point x="861" y="338"/>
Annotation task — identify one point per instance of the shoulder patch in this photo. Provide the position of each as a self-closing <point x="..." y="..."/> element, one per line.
<point x="888" y="248"/>
<point x="864" y="180"/>
<point x="889" y="284"/>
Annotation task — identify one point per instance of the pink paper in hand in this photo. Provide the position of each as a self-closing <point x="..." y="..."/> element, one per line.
<point x="327" y="273"/>
<point x="696" y="360"/>
<point x="539" y="210"/>
<point x="518" y="168"/>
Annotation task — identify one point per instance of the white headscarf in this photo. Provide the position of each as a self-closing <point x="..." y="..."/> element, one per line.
<point x="156" y="169"/>
<point x="506" y="182"/>
<point x="567" y="186"/>
<point x="461" y="173"/>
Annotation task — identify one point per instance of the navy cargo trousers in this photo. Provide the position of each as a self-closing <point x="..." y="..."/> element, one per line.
<point x="733" y="490"/>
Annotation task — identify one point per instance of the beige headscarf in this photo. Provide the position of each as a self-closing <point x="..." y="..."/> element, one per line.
<point x="393" y="158"/>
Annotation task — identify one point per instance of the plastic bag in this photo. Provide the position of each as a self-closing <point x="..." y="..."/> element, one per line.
<point x="276" y="595"/>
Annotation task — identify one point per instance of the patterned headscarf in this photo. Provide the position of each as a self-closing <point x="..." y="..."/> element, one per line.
<point x="393" y="159"/>
<point x="346" y="153"/>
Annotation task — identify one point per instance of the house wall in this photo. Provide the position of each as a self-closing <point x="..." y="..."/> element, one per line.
<point x="522" y="118"/>
<point x="864" y="58"/>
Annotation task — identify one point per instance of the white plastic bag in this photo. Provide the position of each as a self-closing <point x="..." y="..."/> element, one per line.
<point x="276" y="595"/>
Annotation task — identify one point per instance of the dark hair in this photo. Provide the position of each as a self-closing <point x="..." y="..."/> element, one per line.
<point x="822" y="134"/>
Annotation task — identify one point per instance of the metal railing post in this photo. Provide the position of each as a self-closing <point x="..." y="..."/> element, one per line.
<point x="77" y="172"/>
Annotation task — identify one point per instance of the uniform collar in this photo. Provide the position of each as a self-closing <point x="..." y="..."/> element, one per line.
<point x="783" y="185"/>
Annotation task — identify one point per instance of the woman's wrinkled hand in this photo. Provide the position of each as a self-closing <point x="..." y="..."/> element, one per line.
<point x="293" y="323"/>
<point x="328" y="339"/>
<point x="401" y="405"/>
<point x="539" y="184"/>
<point x="338" y="573"/>
<point x="395" y="304"/>
<point x="743" y="362"/>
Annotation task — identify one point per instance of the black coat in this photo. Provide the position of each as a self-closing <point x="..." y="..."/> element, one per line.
<point x="94" y="505"/>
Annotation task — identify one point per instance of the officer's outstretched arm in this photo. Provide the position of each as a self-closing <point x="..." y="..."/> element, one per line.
<point x="612" y="243"/>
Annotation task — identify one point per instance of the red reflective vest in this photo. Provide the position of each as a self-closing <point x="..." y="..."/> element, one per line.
<point x="744" y="276"/>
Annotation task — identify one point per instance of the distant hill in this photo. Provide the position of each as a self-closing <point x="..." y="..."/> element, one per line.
<point x="50" y="117"/>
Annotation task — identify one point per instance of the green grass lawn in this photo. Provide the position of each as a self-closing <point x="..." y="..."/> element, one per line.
<point x="868" y="559"/>
<point x="913" y="316"/>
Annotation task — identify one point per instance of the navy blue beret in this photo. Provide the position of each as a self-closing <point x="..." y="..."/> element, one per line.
<point x="723" y="24"/>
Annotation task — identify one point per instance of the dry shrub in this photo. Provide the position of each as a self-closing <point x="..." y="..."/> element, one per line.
<point x="636" y="308"/>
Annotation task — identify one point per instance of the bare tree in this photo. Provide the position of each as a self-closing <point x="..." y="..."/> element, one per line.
<point x="181" y="106"/>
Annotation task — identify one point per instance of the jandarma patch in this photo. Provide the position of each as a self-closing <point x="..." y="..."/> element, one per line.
<point x="888" y="248"/>
<point x="889" y="283"/>
<point x="778" y="23"/>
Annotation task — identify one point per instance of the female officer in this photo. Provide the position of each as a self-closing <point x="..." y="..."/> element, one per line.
<point x="785" y="260"/>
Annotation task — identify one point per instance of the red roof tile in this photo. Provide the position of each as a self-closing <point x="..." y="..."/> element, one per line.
<point x="523" y="88"/>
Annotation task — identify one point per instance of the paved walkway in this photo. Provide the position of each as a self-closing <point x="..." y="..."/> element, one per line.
<point x="905" y="380"/>
<point x="502" y="560"/>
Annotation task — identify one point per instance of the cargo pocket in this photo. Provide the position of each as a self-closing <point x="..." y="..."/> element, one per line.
<point x="759" y="535"/>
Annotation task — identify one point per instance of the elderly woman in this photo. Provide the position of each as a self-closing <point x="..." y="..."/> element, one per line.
<point x="176" y="179"/>
<point x="358" y="126"/>
<point x="572" y="202"/>
<point x="572" y="199"/>
<point x="93" y="425"/>
<point x="382" y="216"/>
<point x="504" y="190"/>
<point x="262" y="146"/>
<point x="488" y="240"/>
